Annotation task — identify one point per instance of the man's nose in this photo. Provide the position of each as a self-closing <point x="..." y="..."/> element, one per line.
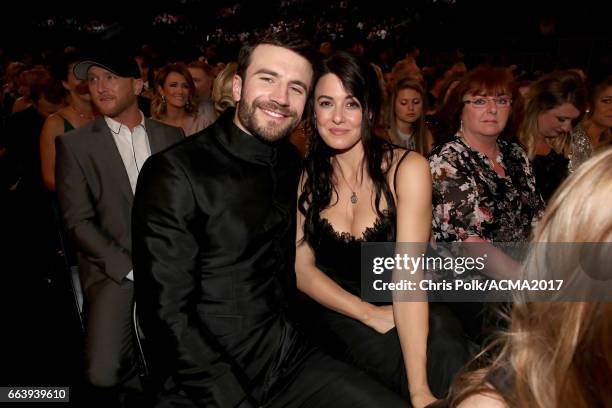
<point x="100" y="85"/>
<point x="280" y="94"/>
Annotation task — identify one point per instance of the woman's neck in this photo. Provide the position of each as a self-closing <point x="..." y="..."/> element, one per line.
<point x="83" y="108"/>
<point x="174" y="114"/>
<point x="403" y="127"/>
<point x="594" y="130"/>
<point x="351" y="162"/>
<point x="486" y="145"/>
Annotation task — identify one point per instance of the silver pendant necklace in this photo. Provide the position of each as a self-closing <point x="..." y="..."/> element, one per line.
<point x="354" y="198"/>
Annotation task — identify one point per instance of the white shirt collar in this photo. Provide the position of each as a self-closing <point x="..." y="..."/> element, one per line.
<point x="116" y="126"/>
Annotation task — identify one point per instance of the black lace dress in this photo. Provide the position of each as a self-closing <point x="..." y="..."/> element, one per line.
<point x="380" y="355"/>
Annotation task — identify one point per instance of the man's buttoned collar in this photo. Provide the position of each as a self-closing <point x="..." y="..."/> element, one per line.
<point x="115" y="126"/>
<point x="244" y="145"/>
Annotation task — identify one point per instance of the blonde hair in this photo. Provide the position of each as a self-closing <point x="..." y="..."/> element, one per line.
<point x="547" y="93"/>
<point x="222" y="95"/>
<point x="559" y="353"/>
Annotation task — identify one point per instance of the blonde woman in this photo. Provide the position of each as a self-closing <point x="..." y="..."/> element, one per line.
<point x="556" y="354"/>
<point x="222" y="89"/>
<point x="174" y="100"/>
<point x="406" y="116"/>
<point x="553" y="104"/>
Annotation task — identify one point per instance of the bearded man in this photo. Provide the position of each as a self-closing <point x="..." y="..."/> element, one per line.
<point x="214" y="243"/>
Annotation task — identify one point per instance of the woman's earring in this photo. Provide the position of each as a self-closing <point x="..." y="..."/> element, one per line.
<point x="461" y="127"/>
<point x="163" y="99"/>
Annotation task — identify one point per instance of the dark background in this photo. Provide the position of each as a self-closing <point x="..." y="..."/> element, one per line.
<point x="536" y="35"/>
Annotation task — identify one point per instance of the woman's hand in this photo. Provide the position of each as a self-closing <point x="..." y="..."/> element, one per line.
<point x="379" y="318"/>
<point x="422" y="398"/>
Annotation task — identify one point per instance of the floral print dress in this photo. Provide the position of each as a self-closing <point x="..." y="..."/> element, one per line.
<point x="471" y="199"/>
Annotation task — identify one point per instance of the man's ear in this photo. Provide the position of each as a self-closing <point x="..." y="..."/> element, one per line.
<point x="137" y="85"/>
<point x="237" y="88"/>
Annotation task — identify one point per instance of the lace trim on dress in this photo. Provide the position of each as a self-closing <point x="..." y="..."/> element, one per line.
<point x="370" y="234"/>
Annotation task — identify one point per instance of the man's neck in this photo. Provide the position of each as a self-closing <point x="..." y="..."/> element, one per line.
<point x="237" y="122"/>
<point x="130" y="117"/>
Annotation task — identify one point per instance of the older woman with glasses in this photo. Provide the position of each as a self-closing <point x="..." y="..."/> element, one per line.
<point x="483" y="187"/>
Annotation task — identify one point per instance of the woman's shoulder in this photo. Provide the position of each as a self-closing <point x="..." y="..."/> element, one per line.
<point x="409" y="167"/>
<point x="450" y="147"/>
<point x="453" y="152"/>
<point x="514" y="149"/>
<point x="402" y="157"/>
<point x="55" y="122"/>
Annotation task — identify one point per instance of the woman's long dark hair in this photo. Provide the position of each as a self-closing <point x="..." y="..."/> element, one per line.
<point x="359" y="80"/>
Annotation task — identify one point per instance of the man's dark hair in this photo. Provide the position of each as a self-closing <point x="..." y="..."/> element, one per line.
<point x="290" y="41"/>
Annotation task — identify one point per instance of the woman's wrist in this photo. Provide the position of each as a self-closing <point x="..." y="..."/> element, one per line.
<point x="365" y="312"/>
<point x="420" y="388"/>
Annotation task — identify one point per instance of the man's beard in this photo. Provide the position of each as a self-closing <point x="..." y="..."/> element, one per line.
<point x="269" y="131"/>
<point x="114" y="111"/>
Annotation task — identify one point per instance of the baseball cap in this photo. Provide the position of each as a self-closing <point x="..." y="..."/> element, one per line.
<point x="121" y="65"/>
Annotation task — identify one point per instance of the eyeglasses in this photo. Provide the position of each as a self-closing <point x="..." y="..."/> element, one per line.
<point x="480" y="103"/>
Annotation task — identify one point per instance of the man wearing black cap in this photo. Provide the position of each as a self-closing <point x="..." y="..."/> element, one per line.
<point x="96" y="171"/>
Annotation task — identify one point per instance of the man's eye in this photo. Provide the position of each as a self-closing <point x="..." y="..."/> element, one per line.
<point x="297" y="90"/>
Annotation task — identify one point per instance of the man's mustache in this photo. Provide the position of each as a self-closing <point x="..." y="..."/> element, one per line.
<point x="276" y="107"/>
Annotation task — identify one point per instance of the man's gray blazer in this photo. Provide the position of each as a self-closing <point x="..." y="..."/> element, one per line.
<point x="96" y="198"/>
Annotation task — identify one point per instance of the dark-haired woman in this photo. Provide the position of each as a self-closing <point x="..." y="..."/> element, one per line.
<point x="358" y="188"/>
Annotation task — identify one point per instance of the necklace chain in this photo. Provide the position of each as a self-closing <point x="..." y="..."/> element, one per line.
<point x="81" y="115"/>
<point x="354" y="198"/>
